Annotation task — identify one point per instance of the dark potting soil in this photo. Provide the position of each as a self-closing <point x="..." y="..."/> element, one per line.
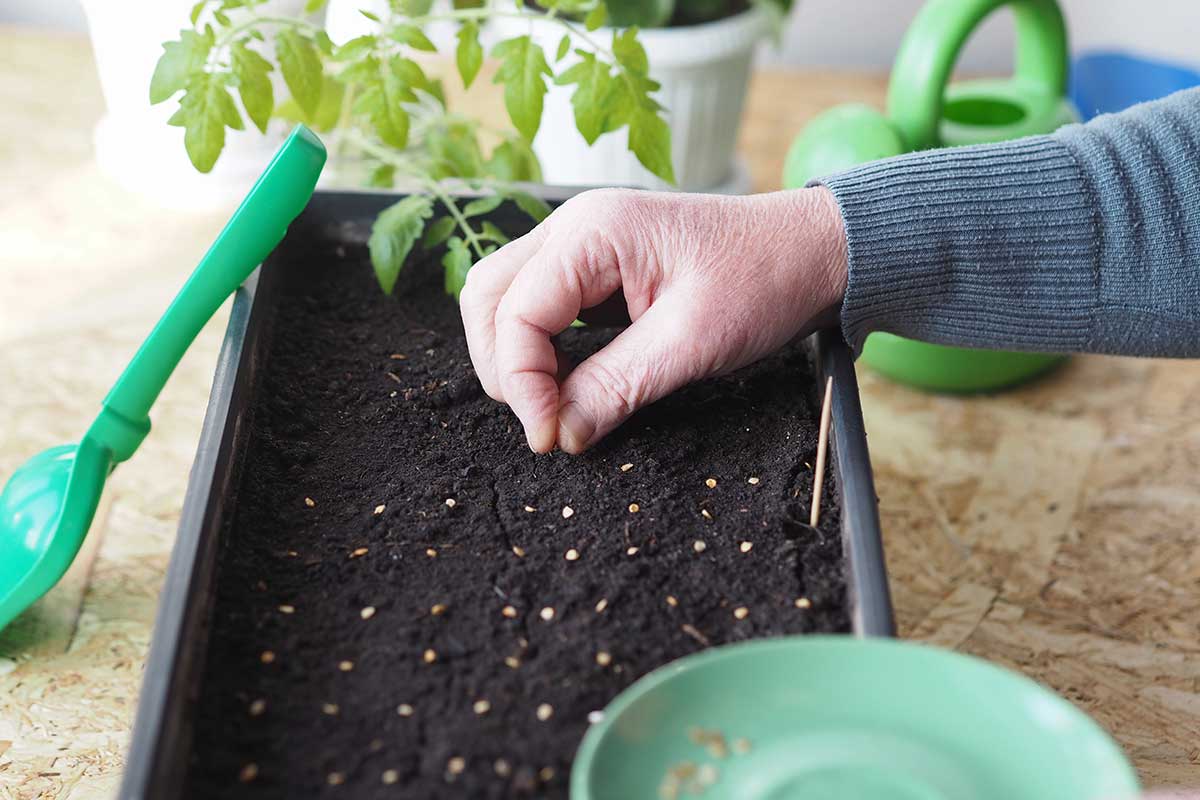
<point x="405" y="606"/>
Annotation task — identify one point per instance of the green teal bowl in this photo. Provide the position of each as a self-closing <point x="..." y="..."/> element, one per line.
<point x="837" y="718"/>
<point x="937" y="368"/>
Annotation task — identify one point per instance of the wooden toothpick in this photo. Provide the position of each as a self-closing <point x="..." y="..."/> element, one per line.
<point x="822" y="448"/>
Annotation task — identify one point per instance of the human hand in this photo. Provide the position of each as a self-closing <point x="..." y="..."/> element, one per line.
<point x="710" y="283"/>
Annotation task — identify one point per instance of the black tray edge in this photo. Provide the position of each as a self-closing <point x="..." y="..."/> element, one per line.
<point x="150" y="773"/>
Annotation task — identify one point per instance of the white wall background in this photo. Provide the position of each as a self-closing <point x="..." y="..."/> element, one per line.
<point x="865" y="33"/>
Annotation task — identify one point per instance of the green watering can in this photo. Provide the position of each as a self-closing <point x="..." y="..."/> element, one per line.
<point x="924" y="112"/>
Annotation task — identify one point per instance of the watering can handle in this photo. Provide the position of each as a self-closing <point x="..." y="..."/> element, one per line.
<point x="931" y="47"/>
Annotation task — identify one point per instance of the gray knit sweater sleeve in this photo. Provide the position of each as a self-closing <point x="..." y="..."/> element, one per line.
<point x="1085" y="240"/>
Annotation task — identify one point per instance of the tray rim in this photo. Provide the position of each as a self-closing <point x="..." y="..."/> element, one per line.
<point x="164" y="689"/>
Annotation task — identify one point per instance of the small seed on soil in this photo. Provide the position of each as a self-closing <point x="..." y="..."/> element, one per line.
<point x="546" y="614"/>
<point x="741" y="746"/>
<point x="286" y="609"/>
<point x="404" y="710"/>
<point x="699" y="546"/>
<point x="803" y="602"/>
<point x="438" y="609"/>
<point x="502" y="767"/>
<point x="429" y="551"/>
<point x="572" y="555"/>
<point x="375" y="745"/>
<point x="345" y="666"/>
<point x="509" y="612"/>
<point x="671" y="601"/>
<point x="358" y="552"/>
<point x="456" y="765"/>
<point x="741" y="612"/>
<point x="711" y="483"/>
<point x="746" y="547"/>
<point x="329" y="708"/>
<point x="258" y="707"/>
<point x="704" y="513"/>
<point x="390" y="776"/>
<point x="398" y="357"/>
<point x="267" y="657"/>
<point x="603" y="604"/>
<point x="512" y="662"/>
<point x="451" y="502"/>
<point x="546" y="774"/>
<point x="631" y="550"/>
<point x="335" y="779"/>
<point x="545" y="711"/>
<point x="568" y="512"/>
<point x="429" y="656"/>
<point x="752" y="481"/>
<point x="603" y="658"/>
<point x="248" y="773"/>
<point x="519" y="552"/>
<point x="308" y="501"/>
<point x="530" y="509"/>
<point x="482" y="707"/>
<point x="634" y="508"/>
<point x="367" y="612"/>
<point x="595" y="717"/>
<point x="626" y="467"/>
<point x="379" y="509"/>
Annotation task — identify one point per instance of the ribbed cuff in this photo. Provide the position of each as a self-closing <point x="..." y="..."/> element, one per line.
<point x="988" y="246"/>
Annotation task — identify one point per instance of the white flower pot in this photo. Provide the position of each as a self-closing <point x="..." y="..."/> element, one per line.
<point x="134" y="145"/>
<point x="704" y="71"/>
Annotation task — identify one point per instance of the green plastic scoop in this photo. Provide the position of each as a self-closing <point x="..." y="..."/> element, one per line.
<point x="836" y="718"/>
<point x="48" y="503"/>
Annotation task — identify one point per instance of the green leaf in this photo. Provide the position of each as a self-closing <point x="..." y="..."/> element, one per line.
<point x="514" y="160"/>
<point x="629" y="52"/>
<point x="522" y="70"/>
<point x="470" y="53"/>
<point x="356" y="48"/>
<point x="593" y="86"/>
<point x="382" y="177"/>
<point x="194" y="17"/>
<point x="414" y="37"/>
<point x="535" y="207"/>
<point x="643" y="13"/>
<point x="564" y="46"/>
<point x="457" y="263"/>
<point x="597" y="17"/>
<point x="494" y="234"/>
<point x="300" y="63"/>
<point x="313" y="6"/>
<point x="393" y="235"/>
<point x="252" y="73"/>
<point x="415" y="8"/>
<point x="382" y="98"/>
<point x="482" y="205"/>
<point x="369" y="15"/>
<point x="328" y="111"/>
<point x="437" y="232"/>
<point x="650" y="141"/>
<point x="180" y="62"/>
<point x="454" y="151"/>
<point x="221" y="17"/>
<point x="205" y="111"/>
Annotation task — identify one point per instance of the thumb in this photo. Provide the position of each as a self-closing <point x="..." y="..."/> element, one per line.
<point x="648" y="360"/>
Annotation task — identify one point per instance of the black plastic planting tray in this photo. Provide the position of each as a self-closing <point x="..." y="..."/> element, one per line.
<point x="162" y="744"/>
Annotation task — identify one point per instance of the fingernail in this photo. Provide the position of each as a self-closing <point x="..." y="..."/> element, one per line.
<point x="541" y="436"/>
<point x="575" y="428"/>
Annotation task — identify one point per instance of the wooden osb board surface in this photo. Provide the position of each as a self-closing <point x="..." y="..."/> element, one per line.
<point x="1051" y="529"/>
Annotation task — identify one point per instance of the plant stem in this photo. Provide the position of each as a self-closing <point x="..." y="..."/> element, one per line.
<point x="431" y="185"/>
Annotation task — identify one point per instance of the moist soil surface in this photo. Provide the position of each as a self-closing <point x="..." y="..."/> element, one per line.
<point x="405" y="606"/>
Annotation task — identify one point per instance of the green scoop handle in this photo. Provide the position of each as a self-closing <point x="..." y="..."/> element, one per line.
<point x="258" y="225"/>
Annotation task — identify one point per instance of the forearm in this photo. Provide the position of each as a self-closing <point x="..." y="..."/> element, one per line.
<point x="1086" y="240"/>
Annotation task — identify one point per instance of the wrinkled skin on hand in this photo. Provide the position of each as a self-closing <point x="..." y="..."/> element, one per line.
<point x="707" y="284"/>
